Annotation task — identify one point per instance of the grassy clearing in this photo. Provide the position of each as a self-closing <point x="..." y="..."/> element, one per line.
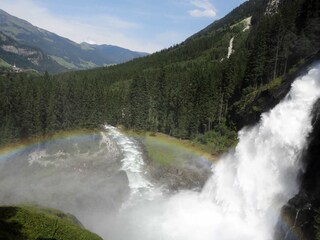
<point x="4" y="63"/>
<point x="63" y="62"/>
<point x="167" y="150"/>
<point x="38" y="223"/>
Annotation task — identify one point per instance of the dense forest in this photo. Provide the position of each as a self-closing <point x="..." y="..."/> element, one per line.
<point x="191" y="90"/>
<point x="199" y="89"/>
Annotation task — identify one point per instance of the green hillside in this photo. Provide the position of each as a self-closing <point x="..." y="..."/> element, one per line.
<point x="191" y="90"/>
<point x="26" y="222"/>
<point x="204" y="89"/>
<point x="4" y="63"/>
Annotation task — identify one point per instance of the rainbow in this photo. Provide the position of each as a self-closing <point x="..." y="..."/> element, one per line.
<point x="164" y="140"/>
<point x="288" y="223"/>
<point x="25" y="146"/>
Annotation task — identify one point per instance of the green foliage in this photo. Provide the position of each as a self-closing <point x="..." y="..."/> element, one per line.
<point x="159" y="153"/>
<point x="219" y="140"/>
<point x="250" y="94"/>
<point x="32" y="222"/>
<point x="4" y="64"/>
<point x="186" y="90"/>
<point x="280" y="41"/>
<point x="273" y="84"/>
<point x="164" y="150"/>
<point x="35" y="105"/>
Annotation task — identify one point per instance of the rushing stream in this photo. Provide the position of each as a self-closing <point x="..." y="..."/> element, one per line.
<point x="133" y="165"/>
<point x="103" y="180"/>
<point x="248" y="187"/>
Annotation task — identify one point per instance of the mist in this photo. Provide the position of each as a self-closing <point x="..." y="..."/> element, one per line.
<point x="80" y="176"/>
<point x="102" y="179"/>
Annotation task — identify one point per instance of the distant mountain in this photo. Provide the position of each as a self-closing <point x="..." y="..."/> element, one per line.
<point x="217" y="81"/>
<point x="25" y="57"/>
<point x="112" y="54"/>
<point x="58" y="50"/>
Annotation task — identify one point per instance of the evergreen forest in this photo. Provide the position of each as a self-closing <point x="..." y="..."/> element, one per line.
<point x="190" y="90"/>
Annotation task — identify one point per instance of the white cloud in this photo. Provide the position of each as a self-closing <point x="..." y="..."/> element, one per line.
<point x="204" y="8"/>
<point x="202" y="13"/>
<point x="103" y="29"/>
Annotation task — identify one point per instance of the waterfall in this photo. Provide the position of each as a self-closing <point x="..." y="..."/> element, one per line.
<point x="240" y="201"/>
<point x="133" y="165"/>
<point x="248" y="187"/>
<point x="230" y="48"/>
<point x="253" y="182"/>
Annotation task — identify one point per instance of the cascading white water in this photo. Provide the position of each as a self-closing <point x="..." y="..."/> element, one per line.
<point x="133" y="165"/>
<point x="252" y="183"/>
<point x="242" y="199"/>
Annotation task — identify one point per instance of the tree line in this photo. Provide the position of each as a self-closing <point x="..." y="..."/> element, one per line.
<point x="189" y="90"/>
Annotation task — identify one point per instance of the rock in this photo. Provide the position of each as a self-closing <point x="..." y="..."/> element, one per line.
<point x="266" y="100"/>
<point x="302" y="209"/>
<point x="180" y="176"/>
<point x="272" y="7"/>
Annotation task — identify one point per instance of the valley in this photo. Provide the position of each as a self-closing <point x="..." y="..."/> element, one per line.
<point x="217" y="136"/>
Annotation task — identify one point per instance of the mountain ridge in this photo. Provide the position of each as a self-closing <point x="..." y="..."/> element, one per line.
<point x="68" y="54"/>
<point x="26" y="57"/>
<point x="186" y="91"/>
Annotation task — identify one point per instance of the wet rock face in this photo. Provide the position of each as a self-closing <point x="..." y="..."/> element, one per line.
<point x="301" y="210"/>
<point x="311" y="177"/>
<point x="297" y="221"/>
<point x="268" y="99"/>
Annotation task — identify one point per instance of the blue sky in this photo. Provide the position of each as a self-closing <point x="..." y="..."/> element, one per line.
<point x="141" y="25"/>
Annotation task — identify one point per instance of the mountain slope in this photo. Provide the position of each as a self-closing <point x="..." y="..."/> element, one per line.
<point x="253" y="7"/>
<point x="203" y="89"/>
<point x="26" y="57"/>
<point x="183" y="91"/>
<point x="200" y="86"/>
<point x="112" y="54"/>
<point x="65" y="52"/>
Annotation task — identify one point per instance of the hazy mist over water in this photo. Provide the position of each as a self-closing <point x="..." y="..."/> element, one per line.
<point x="103" y="181"/>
